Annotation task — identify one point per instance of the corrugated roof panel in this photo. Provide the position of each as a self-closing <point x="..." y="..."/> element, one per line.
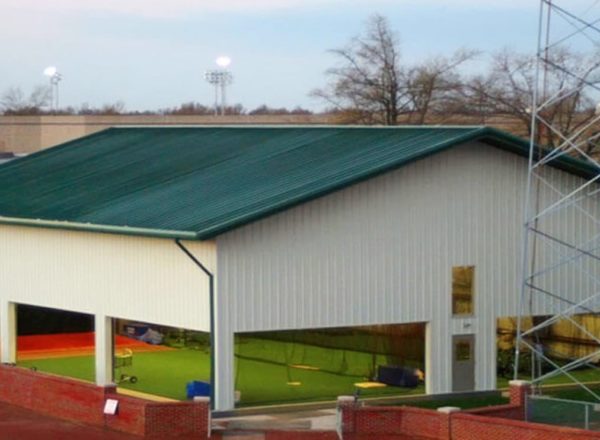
<point x="199" y="182"/>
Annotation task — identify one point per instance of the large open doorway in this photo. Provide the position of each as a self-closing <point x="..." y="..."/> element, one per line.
<point x="321" y="364"/>
<point x="56" y="341"/>
<point x="173" y="362"/>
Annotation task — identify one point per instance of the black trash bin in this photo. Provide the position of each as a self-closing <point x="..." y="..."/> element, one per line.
<point x="397" y="376"/>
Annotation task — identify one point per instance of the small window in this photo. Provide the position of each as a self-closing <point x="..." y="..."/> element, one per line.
<point x="463" y="351"/>
<point x="462" y="290"/>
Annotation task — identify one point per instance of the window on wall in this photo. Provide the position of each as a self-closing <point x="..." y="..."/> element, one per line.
<point x="462" y="290"/>
<point x="462" y="351"/>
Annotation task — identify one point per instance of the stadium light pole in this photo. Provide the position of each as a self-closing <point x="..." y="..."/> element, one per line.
<point x="52" y="73"/>
<point x="220" y="79"/>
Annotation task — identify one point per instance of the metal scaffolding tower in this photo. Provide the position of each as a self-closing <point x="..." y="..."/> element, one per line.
<point x="561" y="266"/>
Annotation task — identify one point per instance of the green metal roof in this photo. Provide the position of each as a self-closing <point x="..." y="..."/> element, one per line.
<point x="198" y="182"/>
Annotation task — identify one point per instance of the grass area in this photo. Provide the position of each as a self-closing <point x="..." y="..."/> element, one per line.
<point x="166" y="373"/>
<point x="584" y="375"/>
<point x="574" y="394"/>
<point x="79" y="367"/>
<point x="266" y="383"/>
<point x="460" y="402"/>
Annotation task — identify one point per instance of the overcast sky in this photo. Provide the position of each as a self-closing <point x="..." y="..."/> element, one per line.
<point x="152" y="54"/>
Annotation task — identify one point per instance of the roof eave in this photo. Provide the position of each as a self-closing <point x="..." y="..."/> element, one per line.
<point x="91" y="227"/>
<point x="518" y="145"/>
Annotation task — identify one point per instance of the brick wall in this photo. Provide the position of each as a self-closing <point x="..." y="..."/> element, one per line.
<point x="388" y="423"/>
<point x="491" y="423"/>
<point x="79" y="401"/>
<point x="398" y="423"/>
<point x="83" y="402"/>
<point x="177" y="419"/>
<point x="53" y="395"/>
<point x="403" y="421"/>
<point x="474" y="427"/>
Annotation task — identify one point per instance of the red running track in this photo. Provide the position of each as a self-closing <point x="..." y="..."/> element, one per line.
<point x="77" y="341"/>
<point x="72" y="344"/>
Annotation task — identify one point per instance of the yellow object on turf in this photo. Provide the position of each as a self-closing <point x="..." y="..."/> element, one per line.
<point x="370" y="385"/>
<point x="304" y="367"/>
<point x="294" y="384"/>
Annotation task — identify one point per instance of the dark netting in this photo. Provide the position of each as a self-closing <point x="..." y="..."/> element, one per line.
<point x="33" y="320"/>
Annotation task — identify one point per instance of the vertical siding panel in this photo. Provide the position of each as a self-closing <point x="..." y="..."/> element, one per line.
<point x="119" y="276"/>
<point x="382" y="250"/>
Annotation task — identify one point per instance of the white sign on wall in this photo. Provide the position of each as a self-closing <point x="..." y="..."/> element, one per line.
<point x="110" y="406"/>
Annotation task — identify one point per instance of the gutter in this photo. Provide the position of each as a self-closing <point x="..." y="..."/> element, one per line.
<point x="211" y="295"/>
<point x="75" y="226"/>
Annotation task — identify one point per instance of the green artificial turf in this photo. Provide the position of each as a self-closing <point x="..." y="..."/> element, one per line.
<point x="265" y="383"/>
<point x="79" y="367"/>
<point x="575" y="393"/>
<point x="166" y="373"/>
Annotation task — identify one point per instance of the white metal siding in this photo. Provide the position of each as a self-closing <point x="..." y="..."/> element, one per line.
<point x="135" y="278"/>
<point x="382" y="252"/>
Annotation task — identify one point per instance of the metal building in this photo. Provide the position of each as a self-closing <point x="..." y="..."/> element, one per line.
<point x="238" y="229"/>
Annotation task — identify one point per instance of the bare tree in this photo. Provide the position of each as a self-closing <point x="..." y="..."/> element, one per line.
<point x="435" y="86"/>
<point x="507" y="89"/>
<point x="370" y="86"/>
<point x="40" y="96"/>
<point x="366" y="84"/>
<point x="12" y="99"/>
<point x="115" y="108"/>
<point x="266" y="110"/>
<point x="195" y="108"/>
<point x="14" y="102"/>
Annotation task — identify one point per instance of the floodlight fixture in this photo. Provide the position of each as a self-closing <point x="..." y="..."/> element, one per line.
<point x="220" y="79"/>
<point x="52" y="73"/>
<point x="223" y="61"/>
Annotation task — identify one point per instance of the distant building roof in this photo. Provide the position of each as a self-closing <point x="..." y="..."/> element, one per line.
<point x="196" y="183"/>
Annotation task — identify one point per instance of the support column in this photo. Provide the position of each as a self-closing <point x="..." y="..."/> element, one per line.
<point x="103" y="330"/>
<point x="8" y="332"/>
<point x="486" y="369"/>
<point x="224" y="369"/>
<point x="438" y="358"/>
<point x="519" y="392"/>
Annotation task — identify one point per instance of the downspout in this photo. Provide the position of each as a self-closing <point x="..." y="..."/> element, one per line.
<point x="211" y="295"/>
